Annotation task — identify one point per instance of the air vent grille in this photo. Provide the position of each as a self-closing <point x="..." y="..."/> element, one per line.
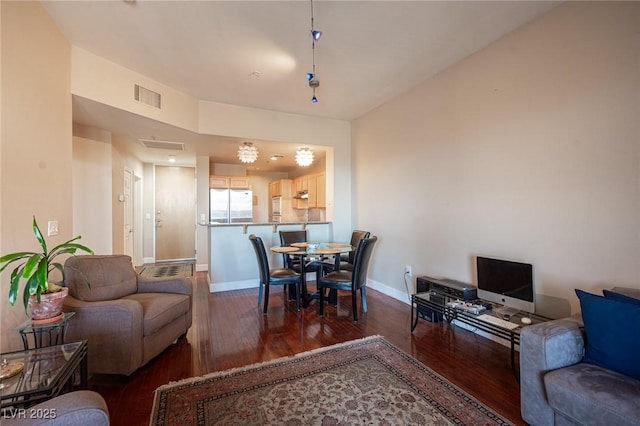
<point x="147" y="96"/>
<point x="155" y="144"/>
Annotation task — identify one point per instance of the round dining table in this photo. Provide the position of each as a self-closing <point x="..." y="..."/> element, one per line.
<point x="304" y="250"/>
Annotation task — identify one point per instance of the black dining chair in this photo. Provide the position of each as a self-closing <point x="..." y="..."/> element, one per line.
<point x="293" y="262"/>
<point x="346" y="260"/>
<point x="269" y="277"/>
<point x="351" y="280"/>
<point x="287" y="238"/>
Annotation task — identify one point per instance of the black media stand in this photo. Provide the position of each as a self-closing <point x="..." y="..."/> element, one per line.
<point x="434" y="301"/>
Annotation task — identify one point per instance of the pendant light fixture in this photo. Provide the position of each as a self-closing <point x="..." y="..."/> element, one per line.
<point x="304" y="157"/>
<point x="247" y="153"/>
<point x="311" y="76"/>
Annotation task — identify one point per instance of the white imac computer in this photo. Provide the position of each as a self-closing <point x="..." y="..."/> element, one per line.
<point x="506" y="282"/>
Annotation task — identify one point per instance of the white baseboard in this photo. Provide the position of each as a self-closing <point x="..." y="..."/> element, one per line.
<point x="391" y="292"/>
<point x="148" y="260"/>
<point x="239" y="285"/>
<point x="232" y="285"/>
<point x="200" y="267"/>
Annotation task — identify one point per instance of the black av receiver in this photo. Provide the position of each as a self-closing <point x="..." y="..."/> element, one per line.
<point x="445" y="286"/>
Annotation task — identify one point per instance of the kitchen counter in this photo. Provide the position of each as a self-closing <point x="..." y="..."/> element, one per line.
<point x="276" y="225"/>
<point x="264" y="223"/>
<point x="232" y="261"/>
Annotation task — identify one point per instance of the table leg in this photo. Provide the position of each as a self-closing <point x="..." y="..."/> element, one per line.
<point x="305" y="293"/>
<point x="84" y="371"/>
<point x="25" y="340"/>
<point x="414" y="319"/>
<point x="514" y="369"/>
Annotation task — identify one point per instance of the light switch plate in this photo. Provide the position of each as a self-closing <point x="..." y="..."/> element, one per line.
<point x="52" y="228"/>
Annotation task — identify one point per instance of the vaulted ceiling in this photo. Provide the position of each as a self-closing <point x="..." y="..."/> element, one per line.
<point x="256" y="53"/>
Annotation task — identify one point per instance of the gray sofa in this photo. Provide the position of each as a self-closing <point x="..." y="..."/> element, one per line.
<point x="127" y="319"/>
<point x="557" y="388"/>
<point x="79" y="408"/>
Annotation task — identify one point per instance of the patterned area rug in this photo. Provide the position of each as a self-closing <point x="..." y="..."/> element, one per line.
<point x="362" y="382"/>
<point x="168" y="270"/>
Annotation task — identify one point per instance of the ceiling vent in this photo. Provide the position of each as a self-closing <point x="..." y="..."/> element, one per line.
<point x="155" y="144"/>
<point x="147" y="96"/>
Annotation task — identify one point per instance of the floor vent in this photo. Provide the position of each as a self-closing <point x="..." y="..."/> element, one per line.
<point x="156" y="144"/>
<point x="147" y="96"/>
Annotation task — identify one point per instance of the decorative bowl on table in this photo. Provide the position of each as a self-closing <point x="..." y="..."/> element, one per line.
<point x="311" y="247"/>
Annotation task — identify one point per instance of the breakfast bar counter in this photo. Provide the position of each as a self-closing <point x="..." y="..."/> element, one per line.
<point x="232" y="262"/>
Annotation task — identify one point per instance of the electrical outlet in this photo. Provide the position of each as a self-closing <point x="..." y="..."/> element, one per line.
<point x="52" y="228"/>
<point x="408" y="271"/>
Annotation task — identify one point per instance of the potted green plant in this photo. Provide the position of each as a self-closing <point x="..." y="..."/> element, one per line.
<point x="42" y="298"/>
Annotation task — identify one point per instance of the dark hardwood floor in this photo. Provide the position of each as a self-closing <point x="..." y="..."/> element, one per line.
<point x="229" y="331"/>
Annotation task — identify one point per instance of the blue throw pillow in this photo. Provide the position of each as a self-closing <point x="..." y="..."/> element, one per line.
<point x="613" y="329"/>
<point x="621" y="297"/>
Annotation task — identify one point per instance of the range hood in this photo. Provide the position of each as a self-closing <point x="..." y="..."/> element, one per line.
<point x="302" y="195"/>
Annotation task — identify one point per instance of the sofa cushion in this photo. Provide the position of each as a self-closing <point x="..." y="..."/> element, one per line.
<point x="620" y="296"/>
<point x="588" y="394"/>
<point x="612" y="328"/>
<point x="110" y="276"/>
<point x="628" y="291"/>
<point x="160" y="309"/>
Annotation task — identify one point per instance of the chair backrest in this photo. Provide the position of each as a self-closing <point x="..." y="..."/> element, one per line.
<point x="361" y="263"/>
<point x="261" y="254"/>
<point x="356" y="236"/>
<point x="110" y="276"/>
<point x="288" y="237"/>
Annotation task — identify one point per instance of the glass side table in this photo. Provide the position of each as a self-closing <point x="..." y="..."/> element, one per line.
<point x="46" y="373"/>
<point x="41" y="335"/>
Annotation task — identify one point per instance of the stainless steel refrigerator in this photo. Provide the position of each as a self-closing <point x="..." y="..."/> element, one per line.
<point x="230" y="205"/>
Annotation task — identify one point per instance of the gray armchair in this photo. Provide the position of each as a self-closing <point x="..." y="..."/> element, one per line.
<point x="79" y="408"/>
<point x="127" y="319"/>
<point x="557" y="388"/>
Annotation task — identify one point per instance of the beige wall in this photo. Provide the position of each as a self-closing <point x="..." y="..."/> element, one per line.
<point x="92" y="181"/>
<point x="202" y="208"/>
<point x="103" y="81"/>
<point x="106" y="82"/>
<point x="526" y="150"/>
<point x="36" y="139"/>
<point x="99" y="162"/>
<point x="121" y="158"/>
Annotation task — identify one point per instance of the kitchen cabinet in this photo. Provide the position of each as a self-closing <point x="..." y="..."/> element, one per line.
<point x="238" y="182"/>
<point x="313" y="194"/>
<point x="300" y="204"/>
<point x="218" y="182"/>
<point x="275" y="189"/>
<point x="315" y="186"/>
<point x="282" y="188"/>
<point x="232" y="182"/>
<point x="317" y="191"/>
<point x="300" y="185"/>
<point x="321" y="190"/>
